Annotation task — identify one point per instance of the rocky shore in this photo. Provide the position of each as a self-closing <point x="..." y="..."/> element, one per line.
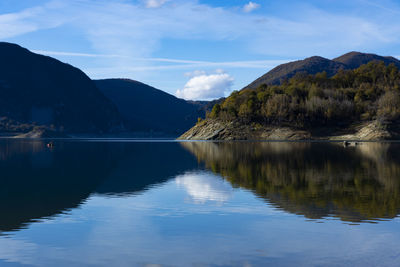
<point x="218" y="130"/>
<point x="41" y="132"/>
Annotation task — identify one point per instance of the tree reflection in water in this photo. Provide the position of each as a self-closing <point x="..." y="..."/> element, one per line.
<point x="317" y="180"/>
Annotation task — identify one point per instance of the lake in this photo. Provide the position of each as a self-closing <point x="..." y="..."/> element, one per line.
<point x="166" y="203"/>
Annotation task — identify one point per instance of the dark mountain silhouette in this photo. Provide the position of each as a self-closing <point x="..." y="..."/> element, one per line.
<point x="39" y="94"/>
<point x="42" y="90"/>
<point x="145" y="108"/>
<point x="316" y="64"/>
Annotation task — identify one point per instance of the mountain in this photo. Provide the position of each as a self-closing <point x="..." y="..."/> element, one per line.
<point x="40" y="90"/>
<point x="311" y="65"/>
<point x="354" y="60"/>
<point x="356" y="104"/>
<point x="145" y="108"/>
<point x="316" y="64"/>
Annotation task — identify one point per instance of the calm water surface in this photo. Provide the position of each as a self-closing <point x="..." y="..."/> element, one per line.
<point x="123" y="203"/>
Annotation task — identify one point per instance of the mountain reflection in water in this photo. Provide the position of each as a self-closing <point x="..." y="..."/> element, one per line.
<point x="37" y="182"/>
<point x="151" y="203"/>
<point x="317" y="180"/>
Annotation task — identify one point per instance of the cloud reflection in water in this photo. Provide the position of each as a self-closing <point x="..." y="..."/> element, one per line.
<point x="203" y="186"/>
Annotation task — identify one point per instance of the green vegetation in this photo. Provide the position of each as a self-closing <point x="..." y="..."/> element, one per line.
<point x="369" y="92"/>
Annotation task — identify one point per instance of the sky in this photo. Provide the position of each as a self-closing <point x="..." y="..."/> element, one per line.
<point x="197" y="49"/>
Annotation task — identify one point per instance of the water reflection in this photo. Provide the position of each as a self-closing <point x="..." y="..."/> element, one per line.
<point x="317" y="180"/>
<point x="172" y="204"/>
<point x="202" y="187"/>
<point x="37" y="182"/>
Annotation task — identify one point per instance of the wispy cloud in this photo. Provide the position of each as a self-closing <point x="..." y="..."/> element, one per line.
<point x="249" y="7"/>
<point x="391" y="9"/>
<point x="129" y="33"/>
<point x="155" y="3"/>
<point x="133" y="30"/>
<point x="47" y="16"/>
<point x="71" y="54"/>
<point x="183" y="63"/>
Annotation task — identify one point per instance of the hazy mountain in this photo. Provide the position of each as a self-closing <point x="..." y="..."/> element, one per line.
<point x="145" y="108"/>
<point x="315" y="64"/>
<point x="42" y="90"/>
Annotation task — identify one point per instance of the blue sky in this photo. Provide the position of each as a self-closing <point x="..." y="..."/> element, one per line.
<point x="197" y="49"/>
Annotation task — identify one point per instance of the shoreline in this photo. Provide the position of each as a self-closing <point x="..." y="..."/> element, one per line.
<point x="175" y="140"/>
<point x="220" y="130"/>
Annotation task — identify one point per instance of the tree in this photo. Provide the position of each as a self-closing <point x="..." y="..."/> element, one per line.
<point x="215" y="111"/>
<point x="389" y="106"/>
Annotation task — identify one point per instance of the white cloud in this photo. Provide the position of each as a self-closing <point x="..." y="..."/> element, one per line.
<point x="206" y="86"/>
<point x="155" y="3"/>
<point x="250" y="7"/>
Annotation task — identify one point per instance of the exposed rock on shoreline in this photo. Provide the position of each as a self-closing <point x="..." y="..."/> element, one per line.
<point x="42" y="132"/>
<point x="218" y="130"/>
<point x="372" y="131"/>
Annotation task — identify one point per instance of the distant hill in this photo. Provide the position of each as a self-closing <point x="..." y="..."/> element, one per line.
<point x="206" y="106"/>
<point x="36" y="89"/>
<point x="316" y="64"/>
<point x="145" y="108"/>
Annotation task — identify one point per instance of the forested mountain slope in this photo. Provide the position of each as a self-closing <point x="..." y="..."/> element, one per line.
<point x="363" y="101"/>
